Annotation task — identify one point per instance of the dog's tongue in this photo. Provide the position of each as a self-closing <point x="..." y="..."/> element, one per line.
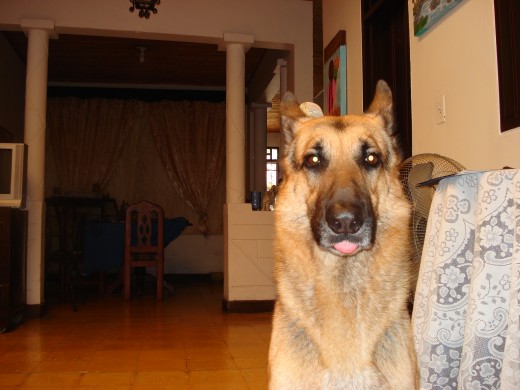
<point x="346" y="247"/>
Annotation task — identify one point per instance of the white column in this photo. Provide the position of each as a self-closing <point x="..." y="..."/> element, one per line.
<point x="236" y="46"/>
<point x="259" y="145"/>
<point x="38" y="32"/>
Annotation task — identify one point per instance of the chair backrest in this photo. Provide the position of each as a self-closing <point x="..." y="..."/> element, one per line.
<point x="144" y="228"/>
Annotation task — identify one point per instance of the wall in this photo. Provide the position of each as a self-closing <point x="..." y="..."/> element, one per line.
<point x="194" y="254"/>
<point x="12" y="91"/>
<point x="248" y="254"/>
<point x="455" y="58"/>
<point x="346" y="15"/>
<point x="273" y="140"/>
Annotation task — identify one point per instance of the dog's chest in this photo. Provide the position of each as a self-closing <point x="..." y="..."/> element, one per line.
<point x="365" y="379"/>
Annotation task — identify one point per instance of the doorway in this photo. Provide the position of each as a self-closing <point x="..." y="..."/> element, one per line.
<point x="386" y="55"/>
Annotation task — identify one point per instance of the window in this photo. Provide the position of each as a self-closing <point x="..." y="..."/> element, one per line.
<point x="272" y="167"/>
<point x="507" y="14"/>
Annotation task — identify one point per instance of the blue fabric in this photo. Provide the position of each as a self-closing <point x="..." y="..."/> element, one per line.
<point x="105" y="242"/>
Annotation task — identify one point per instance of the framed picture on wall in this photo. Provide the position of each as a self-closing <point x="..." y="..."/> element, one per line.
<point x="427" y="12"/>
<point x="335" y="75"/>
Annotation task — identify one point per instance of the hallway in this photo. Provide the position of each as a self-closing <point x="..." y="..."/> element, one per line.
<point x="185" y="342"/>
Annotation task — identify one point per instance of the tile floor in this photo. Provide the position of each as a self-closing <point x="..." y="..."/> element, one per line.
<point x="185" y="342"/>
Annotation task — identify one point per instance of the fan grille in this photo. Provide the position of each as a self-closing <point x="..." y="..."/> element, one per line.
<point x="413" y="171"/>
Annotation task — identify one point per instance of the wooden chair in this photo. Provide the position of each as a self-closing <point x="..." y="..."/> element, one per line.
<point x="144" y="237"/>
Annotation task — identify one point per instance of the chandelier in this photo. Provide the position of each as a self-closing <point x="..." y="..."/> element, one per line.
<point x="144" y="7"/>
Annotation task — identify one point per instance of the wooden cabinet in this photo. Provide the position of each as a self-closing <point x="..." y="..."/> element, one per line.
<point x="13" y="264"/>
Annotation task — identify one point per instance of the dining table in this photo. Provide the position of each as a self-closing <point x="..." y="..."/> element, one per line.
<point x="466" y="314"/>
<point x="104" y="242"/>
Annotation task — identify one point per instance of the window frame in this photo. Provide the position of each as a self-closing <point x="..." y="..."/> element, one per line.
<point x="275" y="161"/>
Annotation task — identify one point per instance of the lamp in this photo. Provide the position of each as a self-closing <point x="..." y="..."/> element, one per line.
<point x="141" y="49"/>
<point x="144" y="7"/>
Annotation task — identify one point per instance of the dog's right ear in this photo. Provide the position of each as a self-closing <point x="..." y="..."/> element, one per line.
<point x="382" y="105"/>
<point x="293" y="113"/>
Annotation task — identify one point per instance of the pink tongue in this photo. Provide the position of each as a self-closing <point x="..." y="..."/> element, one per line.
<point x="346" y="247"/>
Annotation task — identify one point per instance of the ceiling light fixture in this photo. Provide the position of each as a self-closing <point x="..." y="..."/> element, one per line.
<point x="144" y="7"/>
<point x="141" y="49"/>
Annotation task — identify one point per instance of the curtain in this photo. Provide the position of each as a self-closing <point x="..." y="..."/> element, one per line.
<point x="86" y="137"/>
<point x="170" y="153"/>
<point x="190" y="140"/>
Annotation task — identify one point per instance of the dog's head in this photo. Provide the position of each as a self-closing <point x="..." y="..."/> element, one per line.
<point x="340" y="176"/>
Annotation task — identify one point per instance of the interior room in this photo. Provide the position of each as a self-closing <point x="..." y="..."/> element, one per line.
<point x="185" y="66"/>
<point x="64" y="63"/>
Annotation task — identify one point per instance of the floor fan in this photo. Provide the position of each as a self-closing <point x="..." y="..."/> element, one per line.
<point x="416" y="170"/>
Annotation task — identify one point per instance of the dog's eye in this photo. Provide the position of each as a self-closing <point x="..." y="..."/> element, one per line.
<point x="312" y="161"/>
<point x="372" y="160"/>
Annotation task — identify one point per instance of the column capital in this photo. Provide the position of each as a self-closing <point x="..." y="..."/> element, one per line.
<point x="46" y="25"/>
<point x="246" y="40"/>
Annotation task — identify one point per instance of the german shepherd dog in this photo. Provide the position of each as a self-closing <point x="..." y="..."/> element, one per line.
<point x="342" y="254"/>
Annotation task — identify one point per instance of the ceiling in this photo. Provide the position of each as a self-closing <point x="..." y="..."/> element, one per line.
<point x="82" y="59"/>
<point x="108" y="62"/>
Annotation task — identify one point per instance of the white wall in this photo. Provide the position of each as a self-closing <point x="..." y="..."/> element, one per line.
<point x="346" y="15"/>
<point x="194" y="254"/>
<point x="248" y="254"/>
<point x="457" y="58"/>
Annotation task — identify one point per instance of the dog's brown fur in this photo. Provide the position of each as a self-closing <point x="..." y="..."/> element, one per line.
<point x="341" y="319"/>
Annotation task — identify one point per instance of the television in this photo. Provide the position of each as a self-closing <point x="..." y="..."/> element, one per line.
<point x="13" y="165"/>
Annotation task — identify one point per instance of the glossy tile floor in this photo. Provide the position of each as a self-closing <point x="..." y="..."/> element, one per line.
<point x="185" y="342"/>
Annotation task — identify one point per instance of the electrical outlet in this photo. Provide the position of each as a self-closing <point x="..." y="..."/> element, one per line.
<point x="440" y="109"/>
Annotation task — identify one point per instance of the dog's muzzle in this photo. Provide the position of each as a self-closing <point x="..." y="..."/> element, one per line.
<point x="345" y="220"/>
<point x="345" y="226"/>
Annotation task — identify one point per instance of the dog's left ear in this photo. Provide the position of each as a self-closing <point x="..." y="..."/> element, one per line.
<point x="382" y="105"/>
<point x="293" y="113"/>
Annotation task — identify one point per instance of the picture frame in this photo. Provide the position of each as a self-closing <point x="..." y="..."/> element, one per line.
<point x="335" y="75"/>
<point x="428" y="12"/>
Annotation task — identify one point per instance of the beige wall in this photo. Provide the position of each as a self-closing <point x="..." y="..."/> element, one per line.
<point x="346" y="15"/>
<point x="455" y="58"/>
<point x="248" y="254"/>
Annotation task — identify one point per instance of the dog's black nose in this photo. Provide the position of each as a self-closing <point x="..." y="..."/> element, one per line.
<point x="345" y="219"/>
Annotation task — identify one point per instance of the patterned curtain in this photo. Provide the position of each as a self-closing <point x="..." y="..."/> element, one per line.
<point x="170" y="153"/>
<point x="191" y="142"/>
<point x="86" y="137"/>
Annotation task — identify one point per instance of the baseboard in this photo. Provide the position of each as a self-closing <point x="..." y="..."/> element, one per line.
<point x="172" y="278"/>
<point x="247" y="306"/>
<point x="35" y="311"/>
